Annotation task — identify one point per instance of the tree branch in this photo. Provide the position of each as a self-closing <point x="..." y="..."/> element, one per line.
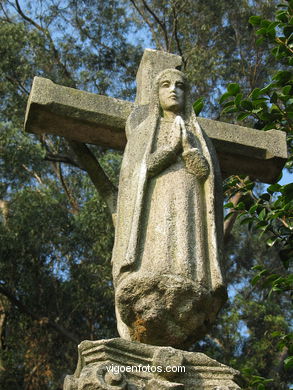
<point x="17" y="82"/>
<point x="101" y="181"/>
<point x="4" y="209"/>
<point x="7" y="18"/>
<point x="42" y="320"/>
<point x="218" y="342"/>
<point x="229" y="222"/>
<point x="145" y="19"/>
<point x="31" y="21"/>
<point x="61" y="158"/>
<point x="2" y="329"/>
<point x="70" y="197"/>
<point x="160" y="23"/>
<point x="32" y="173"/>
<point x="175" y="32"/>
<point x="47" y="34"/>
<point x="84" y="156"/>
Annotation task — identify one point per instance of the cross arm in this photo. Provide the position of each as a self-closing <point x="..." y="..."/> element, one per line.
<point x="100" y="120"/>
<point x="77" y="115"/>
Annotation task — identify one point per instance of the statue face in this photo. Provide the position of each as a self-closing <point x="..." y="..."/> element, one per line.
<point x="172" y="93"/>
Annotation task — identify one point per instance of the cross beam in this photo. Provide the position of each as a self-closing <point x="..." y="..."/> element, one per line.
<point x="100" y="120"/>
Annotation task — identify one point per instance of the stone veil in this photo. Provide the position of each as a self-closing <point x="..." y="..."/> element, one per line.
<point x="167" y="253"/>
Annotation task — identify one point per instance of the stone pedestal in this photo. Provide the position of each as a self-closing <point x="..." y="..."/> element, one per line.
<point x="117" y="364"/>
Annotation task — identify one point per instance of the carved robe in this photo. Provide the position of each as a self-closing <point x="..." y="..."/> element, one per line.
<point x="167" y="252"/>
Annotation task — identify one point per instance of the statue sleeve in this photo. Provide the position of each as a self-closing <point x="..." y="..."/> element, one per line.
<point x="160" y="160"/>
<point x="196" y="163"/>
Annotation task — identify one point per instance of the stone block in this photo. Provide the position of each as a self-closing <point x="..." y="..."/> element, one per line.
<point x="77" y="115"/>
<point x="100" y="120"/>
<point x="137" y="366"/>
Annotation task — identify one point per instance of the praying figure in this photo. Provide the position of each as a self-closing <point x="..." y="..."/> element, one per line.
<point x="167" y="253"/>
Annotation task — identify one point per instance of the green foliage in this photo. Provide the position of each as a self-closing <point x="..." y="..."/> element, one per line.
<point x="269" y="213"/>
<point x="214" y="39"/>
<point x="198" y="106"/>
<point x="55" y="232"/>
<point x="270" y="107"/>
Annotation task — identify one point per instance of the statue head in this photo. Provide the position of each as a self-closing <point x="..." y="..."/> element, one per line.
<point x="170" y="93"/>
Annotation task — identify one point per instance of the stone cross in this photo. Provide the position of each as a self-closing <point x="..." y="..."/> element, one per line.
<point x="167" y="252"/>
<point x="96" y="119"/>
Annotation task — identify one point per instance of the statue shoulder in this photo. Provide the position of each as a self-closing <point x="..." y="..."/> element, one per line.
<point x="136" y="118"/>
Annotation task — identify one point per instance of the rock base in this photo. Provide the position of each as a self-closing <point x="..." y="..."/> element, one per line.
<point x="186" y="308"/>
<point x="118" y="364"/>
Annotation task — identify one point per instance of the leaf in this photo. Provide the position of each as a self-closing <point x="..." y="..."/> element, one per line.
<point x="257" y="102"/>
<point x="243" y="115"/>
<point x="274" y="98"/>
<point x="257" y="267"/>
<point x="259" y="41"/>
<point x="288" y="363"/>
<point x="265" y="23"/>
<point x="276" y="51"/>
<point x="233" y="89"/>
<point x="288" y="30"/>
<point x="276" y="334"/>
<point x="272" y="25"/>
<point x="247" y="105"/>
<point x="282" y="16"/>
<point x="238" y="98"/>
<point x="287" y="191"/>
<point x="229" y="109"/>
<point x="246" y="220"/>
<point x="265" y="89"/>
<point x="253" y="208"/>
<point x="283" y="76"/>
<point x="255" y="20"/>
<point x="271" y="241"/>
<point x="261" y="31"/>
<point x="229" y="104"/>
<point x="269" y="127"/>
<point x="262" y="215"/>
<point x="255" y="93"/>
<point x="286" y="90"/>
<point x="198" y="106"/>
<point x="265" y="196"/>
<point x="240" y="206"/>
<point x="224" y="97"/>
<point x="274" y="188"/>
<point x="255" y="279"/>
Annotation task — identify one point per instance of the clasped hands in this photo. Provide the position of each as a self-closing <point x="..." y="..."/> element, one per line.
<point x="195" y="161"/>
<point x="193" y="158"/>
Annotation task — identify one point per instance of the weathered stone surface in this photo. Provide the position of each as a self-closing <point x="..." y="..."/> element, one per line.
<point x="241" y="150"/>
<point x="146" y="366"/>
<point x="96" y="119"/>
<point x="168" y="242"/>
<point x="152" y="63"/>
<point x="167" y="254"/>
<point x="77" y="115"/>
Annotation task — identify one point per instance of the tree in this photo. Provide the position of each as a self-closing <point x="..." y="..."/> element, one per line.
<point x="214" y="39"/>
<point x="269" y="213"/>
<point x="56" y="233"/>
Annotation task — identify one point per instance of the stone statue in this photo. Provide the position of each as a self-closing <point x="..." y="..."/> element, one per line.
<point x="167" y="253"/>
